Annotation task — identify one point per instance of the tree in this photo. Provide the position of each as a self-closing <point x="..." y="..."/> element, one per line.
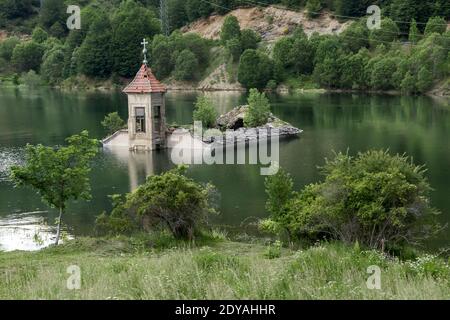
<point x="414" y="35"/>
<point x="205" y="112"/>
<point x="230" y="29"/>
<point x="234" y="48"/>
<point x="388" y="32"/>
<point x="7" y="47"/>
<point x="255" y="69"/>
<point x="94" y="55"/>
<point x="249" y="39"/>
<point x="408" y="84"/>
<point x="376" y="199"/>
<point x="258" y="109"/>
<point x="381" y="75"/>
<point x="52" y="11"/>
<point x="58" y="175"/>
<point x="39" y="35"/>
<point x="313" y="8"/>
<point x="196" y="9"/>
<point x="162" y="62"/>
<point x="355" y="37"/>
<point x="327" y="73"/>
<point x="279" y="191"/>
<point x="113" y="123"/>
<point x="435" y="24"/>
<point x="424" y="79"/>
<point x="16" y="8"/>
<point x="186" y="65"/>
<point x="131" y="24"/>
<point x="27" y="56"/>
<point x="171" y="200"/>
<point x="53" y="65"/>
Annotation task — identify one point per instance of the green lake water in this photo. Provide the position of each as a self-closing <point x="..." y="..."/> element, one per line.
<point x="419" y="126"/>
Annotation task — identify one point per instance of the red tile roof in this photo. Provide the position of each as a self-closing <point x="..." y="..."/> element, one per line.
<point x="145" y="82"/>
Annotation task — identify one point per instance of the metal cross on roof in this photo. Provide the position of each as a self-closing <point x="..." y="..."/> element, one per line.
<point x="144" y="51"/>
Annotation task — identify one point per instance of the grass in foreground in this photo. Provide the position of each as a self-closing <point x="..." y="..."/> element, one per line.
<point x="140" y="268"/>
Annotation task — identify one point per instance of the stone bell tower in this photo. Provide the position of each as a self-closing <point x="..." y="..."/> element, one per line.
<point x="146" y="110"/>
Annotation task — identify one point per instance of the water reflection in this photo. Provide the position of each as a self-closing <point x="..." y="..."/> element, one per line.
<point x="26" y="231"/>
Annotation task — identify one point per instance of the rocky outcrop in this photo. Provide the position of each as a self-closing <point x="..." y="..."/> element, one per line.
<point x="270" y="22"/>
<point x="232" y="130"/>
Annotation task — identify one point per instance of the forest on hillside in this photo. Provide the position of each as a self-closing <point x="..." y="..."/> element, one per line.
<point x="409" y="53"/>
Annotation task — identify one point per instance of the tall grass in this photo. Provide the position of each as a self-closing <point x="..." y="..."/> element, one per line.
<point x="212" y="269"/>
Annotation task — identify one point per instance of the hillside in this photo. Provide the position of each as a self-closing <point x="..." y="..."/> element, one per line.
<point x="271" y="23"/>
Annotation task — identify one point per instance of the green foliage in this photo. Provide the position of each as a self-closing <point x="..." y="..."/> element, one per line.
<point x="169" y="200"/>
<point x="408" y="84"/>
<point x="213" y="262"/>
<point x="255" y="69"/>
<point x="273" y="251"/>
<point x="31" y="79"/>
<point x="249" y="39"/>
<point x="131" y="23"/>
<point x="313" y="8"/>
<point x="165" y="52"/>
<point x="53" y="66"/>
<point x="388" y="32"/>
<point x="51" y="12"/>
<point x="39" y="35"/>
<point x="295" y="54"/>
<point x="414" y="35"/>
<point x="58" y="175"/>
<point x="205" y="112"/>
<point x="279" y="190"/>
<point x="94" y="55"/>
<point x="186" y="65"/>
<point x="355" y="37"/>
<point x="230" y="29"/>
<point x="234" y="48"/>
<point x="16" y="8"/>
<point x="113" y="123"/>
<point x="424" y="79"/>
<point x="7" y="47"/>
<point x="374" y="198"/>
<point x="27" y="56"/>
<point x="258" y="110"/>
<point x="381" y="75"/>
<point x="196" y="9"/>
<point x="435" y="25"/>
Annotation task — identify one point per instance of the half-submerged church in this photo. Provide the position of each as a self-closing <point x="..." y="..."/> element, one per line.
<point x="146" y="113"/>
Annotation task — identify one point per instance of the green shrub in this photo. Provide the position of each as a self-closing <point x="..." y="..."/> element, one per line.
<point x="435" y="24"/>
<point x="113" y="123"/>
<point x="273" y="251"/>
<point x="27" y="56"/>
<point x="186" y="65"/>
<point x="429" y="266"/>
<point x="205" y="112"/>
<point x="7" y="47"/>
<point x="39" y="35"/>
<point x="375" y="198"/>
<point x="258" y="109"/>
<point x="170" y="200"/>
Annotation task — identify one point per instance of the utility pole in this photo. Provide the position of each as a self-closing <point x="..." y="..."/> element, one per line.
<point x="164" y="15"/>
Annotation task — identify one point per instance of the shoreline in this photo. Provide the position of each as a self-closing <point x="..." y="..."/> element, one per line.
<point x="432" y="93"/>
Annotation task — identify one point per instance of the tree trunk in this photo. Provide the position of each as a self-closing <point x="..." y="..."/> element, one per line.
<point x="58" y="233"/>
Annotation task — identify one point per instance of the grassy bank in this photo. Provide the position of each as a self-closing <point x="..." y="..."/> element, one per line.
<point x="125" y="268"/>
